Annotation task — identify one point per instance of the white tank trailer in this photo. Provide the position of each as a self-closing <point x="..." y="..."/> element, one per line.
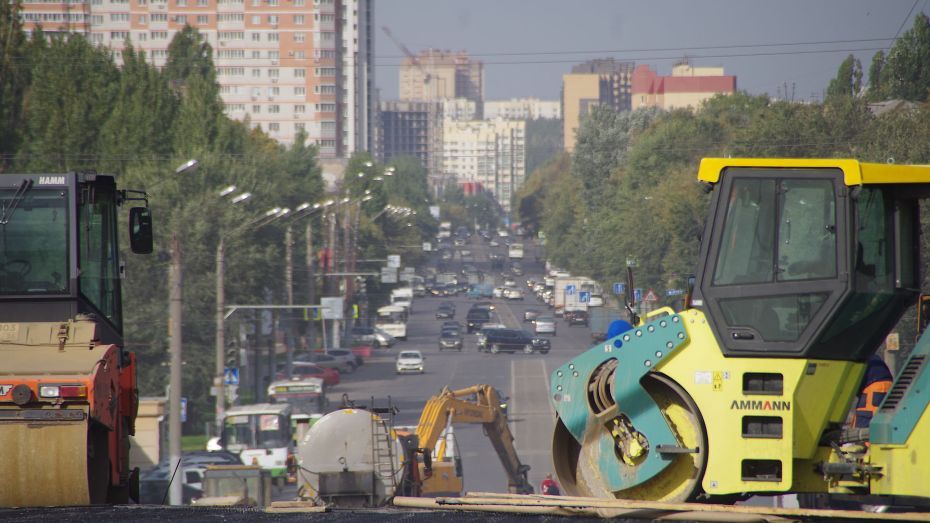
<point x="350" y="458"/>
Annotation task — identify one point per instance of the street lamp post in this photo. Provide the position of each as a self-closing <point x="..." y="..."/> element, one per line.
<point x="175" y="315"/>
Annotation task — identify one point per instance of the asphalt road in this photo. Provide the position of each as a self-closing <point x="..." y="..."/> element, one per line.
<point x="524" y="378"/>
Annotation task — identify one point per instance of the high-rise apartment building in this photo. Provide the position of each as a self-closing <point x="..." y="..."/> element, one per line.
<point x="687" y="86"/>
<point x="286" y="65"/>
<point x="412" y="129"/>
<point x="489" y="152"/>
<point x="596" y="82"/>
<point x="434" y="75"/>
<point x="523" y="109"/>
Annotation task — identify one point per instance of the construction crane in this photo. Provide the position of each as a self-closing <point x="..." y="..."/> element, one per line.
<point x="409" y="54"/>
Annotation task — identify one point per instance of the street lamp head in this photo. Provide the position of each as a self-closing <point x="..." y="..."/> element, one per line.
<point x="303" y="206"/>
<point x="345" y="200"/>
<point x="284" y="212"/>
<point x="368" y="164"/>
<point x="229" y="189"/>
<point x="271" y="212"/>
<point x="367" y="191"/>
<point x="328" y="203"/>
<point x="188" y="166"/>
<point x="242" y="197"/>
<point x="361" y="175"/>
<point x="378" y="179"/>
<point x="368" y="198"/>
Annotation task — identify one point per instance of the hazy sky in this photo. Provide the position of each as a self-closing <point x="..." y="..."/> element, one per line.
<point x="528" y="44"/>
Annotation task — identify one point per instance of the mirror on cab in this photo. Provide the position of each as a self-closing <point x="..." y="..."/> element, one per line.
<point x="140" y="230"/>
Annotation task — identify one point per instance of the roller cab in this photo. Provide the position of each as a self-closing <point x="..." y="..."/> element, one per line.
<point x="68" y="396"/>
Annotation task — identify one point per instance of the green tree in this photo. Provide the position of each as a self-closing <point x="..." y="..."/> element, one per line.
<point x="848" y="81"/>
<point x="906" y="71"/>
<point x="543" y="141"/>
<point x="14" y="79"/>
<point x="876" y="88"/>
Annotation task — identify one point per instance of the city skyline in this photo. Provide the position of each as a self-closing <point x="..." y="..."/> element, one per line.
<point x="527" y="55"/>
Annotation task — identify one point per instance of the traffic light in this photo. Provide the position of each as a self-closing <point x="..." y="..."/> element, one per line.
<point x="232" y="355"/>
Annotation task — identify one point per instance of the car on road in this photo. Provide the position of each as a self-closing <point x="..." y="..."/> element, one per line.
<point x="577" y="317"/>
<point x="476" y="318"/>
<point x="493" y="243"/>
<point x="344" y="363"/>
<point x="450" y="340"/>
<point x="511" y="340"/>
<point x="410" y="361"/>
<point x="446" y="310"/>
<point x="498" y="292"/>
<point x="458" y="242"/>
<point x="348" y="355"/>
<point x="510" y="282"/>
<point x="545" y="325"/>
<point x="305" y="369"/>
<point x="513" y="294"/>
<point x="372" y="336"/>
<point x="530" y="315"/>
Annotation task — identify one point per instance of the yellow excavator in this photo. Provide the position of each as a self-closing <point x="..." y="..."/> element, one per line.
<point x="805" y="267"/>
<point x="442" y="476"/>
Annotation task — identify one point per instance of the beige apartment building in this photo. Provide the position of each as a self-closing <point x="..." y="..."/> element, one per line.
<point x="286" y="65"/>
<point x="687" y="87"/>
<point x="491" y="153"/>
<point x="523" y="109"/>
<point x="436" y="75"/>
<point x="596" y="82"/>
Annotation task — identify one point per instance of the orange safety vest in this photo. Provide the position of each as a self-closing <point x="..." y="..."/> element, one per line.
<point x="869" y="400"/>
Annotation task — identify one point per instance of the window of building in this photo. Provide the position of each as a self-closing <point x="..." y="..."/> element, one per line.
<point x="300" y="126"/>
<point x="203" y="19"/>
<point x="119" y="35"/>
<point x="301" y="91"/>
<point x="273" y="55"/>
<point x="300" y="73"/>
<point x="300" y="108"/>
<point x="142" y="37"/>
<point x="181" y="3"/>
<point x="159" y="17"/>
<point x="256" y="73"/>
<point x="181" y="19"/>
<point x="256" y="19"/>
<point x="272" y="37"/>
<point x="274" y="109"/>
<point x="119" y="17"/>
<point x="299" y="2"/>
<point x="299" y="37"/>
<point x="203" y="3"/>
<point x="298" y="19"/>
<point x="256" y="54"/>
<point x="272" y="19"/>
<point x="275" y="91"/>
<point x="256" y="37"/>
<point x="257" y="109"/>
<point x="300" y="55"/>
<point x="274" y="126"/>
<point x="142" y="19"/>
<point x="272" y="73"/>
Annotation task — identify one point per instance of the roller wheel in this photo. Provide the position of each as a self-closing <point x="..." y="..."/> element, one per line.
<point x="577" y="464"/>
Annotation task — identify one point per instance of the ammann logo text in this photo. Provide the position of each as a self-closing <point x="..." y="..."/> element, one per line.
<point x="760" y="405"/>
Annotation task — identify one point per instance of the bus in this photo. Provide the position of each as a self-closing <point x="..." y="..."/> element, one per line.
<point x="393" y="320"/>
<point x="515" y="252"/>
<point x="261" y="434"/>
<point x="307" y="396"/>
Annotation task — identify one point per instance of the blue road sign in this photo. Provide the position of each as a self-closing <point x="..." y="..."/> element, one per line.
<point x="183" y="410"/>
<point x="674" y="292"/>
<point x="569" y="289"/>
<point x="637" y="294"/>
<point x="584" y="296"/>
<point x="231" y="376"/>
<point x="619" y="288"/>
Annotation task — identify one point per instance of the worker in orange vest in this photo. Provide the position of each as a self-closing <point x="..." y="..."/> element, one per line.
<point x="872" y="390"/>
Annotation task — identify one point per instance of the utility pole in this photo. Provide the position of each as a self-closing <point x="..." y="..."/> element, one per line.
<point x="332" y="286"/>
<point x="289" y="283"/>
<point x="219" y="376"/>
<point x="311" y="281"/>
<point x="176" y="493"/>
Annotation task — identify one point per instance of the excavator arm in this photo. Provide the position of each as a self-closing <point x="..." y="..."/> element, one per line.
<point x="475" y="404"/>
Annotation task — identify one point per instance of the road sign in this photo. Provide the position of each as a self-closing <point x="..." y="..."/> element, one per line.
<point x="183" y="410"/>
<point x="650" y="296"/>
<point x="570" y="289"/>
<point x="332" y="308"/>
<point x="637" y="294"/>
<point x="393" y="260"/>
<point x="388" y="275"/>
<point x="231" y="376"/>
<point x="619" y="288"/>
<point x="584" y="296"/>
<point x="427" y="247"/>
<point x="674" y="292"/>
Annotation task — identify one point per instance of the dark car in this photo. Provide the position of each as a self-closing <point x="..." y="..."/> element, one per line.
<point x="576" y="317"/>
<point x="445" y="311"/>
<point x="450" y="339"/>
<point x="511" y="340"/>
<point x="476" y="318"/>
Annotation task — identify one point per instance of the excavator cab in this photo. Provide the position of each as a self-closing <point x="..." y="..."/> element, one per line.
<point x="68" y="394"/>
<point x="805" y="267"/>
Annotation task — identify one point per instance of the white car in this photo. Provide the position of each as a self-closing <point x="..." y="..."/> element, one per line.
<point x="410" y="361"/>
<point x="513" y="294"/>
<point x="493" y="243"/>
<point x="545" y="325"/>
<point x="498" y="292"/>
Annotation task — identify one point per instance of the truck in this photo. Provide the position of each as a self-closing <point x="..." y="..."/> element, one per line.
<point x="445" y="230"/>
<point x="392" y="319"/>
<point x="567" y="293"/>
<point x="805" y="268"/>
<point x="68" y="396"/>
<point x="515" y="251"/>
